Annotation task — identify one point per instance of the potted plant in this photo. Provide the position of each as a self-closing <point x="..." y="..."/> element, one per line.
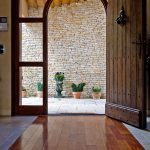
<point x="77" y="89"/>
<point x="96" y="92"/>
<point x="40" y="89"/>
<point x="24" y="92"/>
<point x="59" y="77"/>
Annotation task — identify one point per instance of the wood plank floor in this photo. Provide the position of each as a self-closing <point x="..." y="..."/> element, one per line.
<point x="11" y="128"/>
<point x="76" y="133"/>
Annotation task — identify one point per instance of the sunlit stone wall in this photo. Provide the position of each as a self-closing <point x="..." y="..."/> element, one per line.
<point x="76" y="45"/>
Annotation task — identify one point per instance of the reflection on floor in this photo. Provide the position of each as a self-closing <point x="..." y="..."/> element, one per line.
<point x="69" y="105"/>
<point x="11" y="128"/>
<point x="76" y="132"/>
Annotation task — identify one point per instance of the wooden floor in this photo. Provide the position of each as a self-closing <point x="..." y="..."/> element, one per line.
<point x="76" y="133"/>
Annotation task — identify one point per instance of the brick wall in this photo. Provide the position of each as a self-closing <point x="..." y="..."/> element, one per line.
<point x="76" y="45"/>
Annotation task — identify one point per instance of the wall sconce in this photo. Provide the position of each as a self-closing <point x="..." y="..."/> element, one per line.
<point x="121" y="19"/>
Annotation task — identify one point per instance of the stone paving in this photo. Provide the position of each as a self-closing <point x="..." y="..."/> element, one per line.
<point x="87" y="106"/>
<point x="69" y="105"/>
<point x="143" y="136"/>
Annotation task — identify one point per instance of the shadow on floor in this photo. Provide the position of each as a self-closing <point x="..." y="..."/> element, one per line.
<point x="11" y="128"/>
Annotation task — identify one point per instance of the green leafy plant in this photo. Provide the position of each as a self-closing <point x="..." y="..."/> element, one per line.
<point x="23" y="88"/>
<point x="39" y="86"/>
<point x="77" y="88"/>
<point x="96" y="89"/>
<point x="59" y="76"/>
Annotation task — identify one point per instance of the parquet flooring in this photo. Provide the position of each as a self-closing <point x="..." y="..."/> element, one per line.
<point x="76" y="133"/>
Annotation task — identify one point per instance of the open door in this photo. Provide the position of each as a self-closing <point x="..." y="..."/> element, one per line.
<point x="125" y="61"/>
<point x="26" y="99"/>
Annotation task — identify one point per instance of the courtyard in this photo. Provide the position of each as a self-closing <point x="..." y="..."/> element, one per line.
<point x="69" y="105"/>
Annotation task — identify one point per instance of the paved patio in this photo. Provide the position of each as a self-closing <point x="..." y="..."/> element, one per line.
<point x="69" y="105"/>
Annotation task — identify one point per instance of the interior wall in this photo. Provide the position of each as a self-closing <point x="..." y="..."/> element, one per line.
<point x="148" y="52"/>
<point x="5" y="62"/>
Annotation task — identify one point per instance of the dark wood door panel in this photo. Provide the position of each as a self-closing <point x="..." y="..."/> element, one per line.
<point x="123" y="113"/>
<point x="125" y="62"/>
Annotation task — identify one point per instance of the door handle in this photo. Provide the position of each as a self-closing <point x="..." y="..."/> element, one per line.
<point x="142" y="43"/>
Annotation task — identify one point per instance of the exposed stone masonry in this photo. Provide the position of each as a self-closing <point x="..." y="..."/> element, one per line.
<point x="76" y="43"/>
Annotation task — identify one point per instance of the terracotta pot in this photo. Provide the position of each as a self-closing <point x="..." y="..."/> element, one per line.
<point x="40" y="94"/>
<point x="24" y="93"/>
<point x="96" y="95"/>
<point x="76" y="95"/>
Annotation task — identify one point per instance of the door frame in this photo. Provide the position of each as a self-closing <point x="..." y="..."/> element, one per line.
<point x="15" y="20"/>
<point x="15" y="75"/>
<point x="14" y="57"/>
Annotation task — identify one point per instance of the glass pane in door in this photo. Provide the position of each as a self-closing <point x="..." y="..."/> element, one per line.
<point x="31" y="42"/>
<point x="31" y="8"/>
<point x="31" y="87"/>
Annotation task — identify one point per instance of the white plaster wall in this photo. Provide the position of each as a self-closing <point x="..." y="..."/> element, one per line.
<point x="5" y="62"/>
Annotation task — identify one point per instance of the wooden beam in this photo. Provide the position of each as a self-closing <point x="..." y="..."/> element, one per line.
<point x="32" y="3"/>
<point x="41" y="3"/>
<point x="72" y="1"/>
<point x="65" y="1"/>
<point x="57" y="2"/>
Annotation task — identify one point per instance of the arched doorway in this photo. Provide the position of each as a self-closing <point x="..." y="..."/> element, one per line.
<point x="22" y="65"/>
<point x="125" y="62"/>
<point x="77" y="47"/>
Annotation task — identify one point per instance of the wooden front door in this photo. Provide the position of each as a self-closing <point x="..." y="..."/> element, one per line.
<point x="125" y="62"/>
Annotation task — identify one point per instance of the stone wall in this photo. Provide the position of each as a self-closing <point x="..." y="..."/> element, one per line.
<point x="76" y="45"/>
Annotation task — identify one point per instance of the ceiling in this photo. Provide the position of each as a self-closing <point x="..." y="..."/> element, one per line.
<point x="41" y="3"/>
<point x="26" y="4"/>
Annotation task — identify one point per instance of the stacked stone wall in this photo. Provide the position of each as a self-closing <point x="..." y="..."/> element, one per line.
<point x="76" y="45"/>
